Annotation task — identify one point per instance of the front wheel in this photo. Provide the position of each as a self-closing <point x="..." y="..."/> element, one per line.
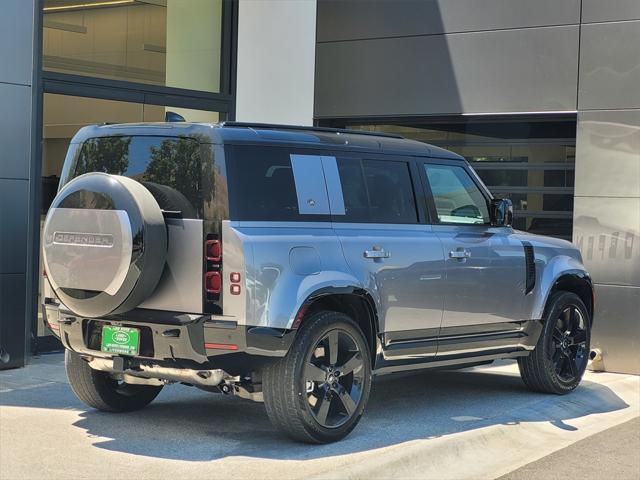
<point x="560" y="358"/>
<point x="318" y="391"/>
<point x="101" y="391"/>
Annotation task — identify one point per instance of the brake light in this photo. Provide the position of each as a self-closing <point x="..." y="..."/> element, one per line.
<point x="213" y="250"/>
<point x="212" y="282"/>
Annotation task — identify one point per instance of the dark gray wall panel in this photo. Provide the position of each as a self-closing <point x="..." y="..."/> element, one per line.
<point x="608" y="153"/>
<point x="12" y="317"/>
<point x="14" y="201"/>
<point x="15" y="131"/>
<point x="610" y="66"/>
<point x="616" y="328"/>
<point x="358" y="19"/>
<point x="607" y="231"/>
<point x="608" y="10"/>
<point x="16" y="41"/>
<point x="505" y="71"/>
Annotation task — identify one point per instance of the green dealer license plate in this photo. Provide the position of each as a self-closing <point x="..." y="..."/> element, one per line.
<point x="120" y="340"/>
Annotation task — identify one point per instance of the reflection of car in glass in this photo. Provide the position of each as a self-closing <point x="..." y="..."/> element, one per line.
<point x="288" y="265"/>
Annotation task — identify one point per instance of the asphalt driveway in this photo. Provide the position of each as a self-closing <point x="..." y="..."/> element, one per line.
<point x="473" y="423"/>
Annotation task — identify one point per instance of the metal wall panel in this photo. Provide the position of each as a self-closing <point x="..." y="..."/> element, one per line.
<point x="15" y="131"/>
<point x="16" y="41"/>
<point x="14" y="201"/>
<point x="616" y="328"/>
<point x="608" y="153"/>
<point x="610" y="66"/>
<point x="610" y="10"/>
<point x="12" y="319"/>
<point x="607" y="230"/>
<point x="531" y="69"/>
<point x="358" y="19"/>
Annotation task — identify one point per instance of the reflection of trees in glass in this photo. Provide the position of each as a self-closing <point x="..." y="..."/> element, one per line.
<point x="104" y="154"/>
<point x="177" y="163"/>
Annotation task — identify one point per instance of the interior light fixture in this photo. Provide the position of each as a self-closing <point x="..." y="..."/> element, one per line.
<point x="108" y="3"/>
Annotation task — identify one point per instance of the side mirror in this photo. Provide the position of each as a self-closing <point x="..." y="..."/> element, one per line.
<point x="501" y="212"/>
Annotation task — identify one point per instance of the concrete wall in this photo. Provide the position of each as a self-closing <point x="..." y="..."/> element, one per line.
<point x="16" y="133"/>
<point x="607" y="194"/>
<point x="444" y="57"/>
<point x="276" y="52"/>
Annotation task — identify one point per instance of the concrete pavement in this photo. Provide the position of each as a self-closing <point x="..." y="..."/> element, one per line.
<point x="614" y="453"/>
<point x="472" y="423"/>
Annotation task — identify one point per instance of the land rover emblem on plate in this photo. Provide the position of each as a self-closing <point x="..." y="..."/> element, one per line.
<point x="83" y="239"/>
<point x="120" y="337"/>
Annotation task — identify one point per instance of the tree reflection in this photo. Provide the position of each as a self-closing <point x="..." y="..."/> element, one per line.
<point x="180" y="172"/>
<point x="105" y="154"/>
<point x="177" y="163"/>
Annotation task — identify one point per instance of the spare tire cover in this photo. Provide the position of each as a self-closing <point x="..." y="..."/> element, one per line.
<point x="105" y="244"/>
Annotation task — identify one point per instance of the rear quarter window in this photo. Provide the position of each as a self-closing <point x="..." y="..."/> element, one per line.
<point x="263" y="185"/>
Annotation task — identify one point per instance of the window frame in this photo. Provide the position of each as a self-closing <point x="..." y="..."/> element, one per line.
<point x="429" y="198"/>
<point x="414" y="178"/>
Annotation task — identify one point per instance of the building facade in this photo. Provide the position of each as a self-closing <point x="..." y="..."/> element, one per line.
<point x="543" y="98"/>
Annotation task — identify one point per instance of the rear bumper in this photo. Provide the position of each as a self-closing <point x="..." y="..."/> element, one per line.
<point x="187" y="341"/>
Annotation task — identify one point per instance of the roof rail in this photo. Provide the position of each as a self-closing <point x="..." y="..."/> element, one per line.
<point x="271" y="126"/>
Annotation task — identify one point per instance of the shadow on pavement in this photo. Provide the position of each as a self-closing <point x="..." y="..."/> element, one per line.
<point x="187" y="424"/>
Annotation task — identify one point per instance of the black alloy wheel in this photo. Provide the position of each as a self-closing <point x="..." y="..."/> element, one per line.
<point x="560" y="357"/>
<point x="334" y="376"/>
<point x="569" y="344"/>
<point x="317" y="393"/>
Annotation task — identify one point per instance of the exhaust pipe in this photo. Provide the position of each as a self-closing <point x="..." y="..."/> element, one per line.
<point x="596" y="363"/>
<point x="205" y="378"/>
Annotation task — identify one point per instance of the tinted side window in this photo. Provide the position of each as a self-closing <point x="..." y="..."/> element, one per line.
<point x="376" y="191"/>
<point x="457" y="198"/>
<point x="262" y="185"/>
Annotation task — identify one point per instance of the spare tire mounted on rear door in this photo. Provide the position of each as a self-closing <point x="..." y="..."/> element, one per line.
<point x="105" y="244"/>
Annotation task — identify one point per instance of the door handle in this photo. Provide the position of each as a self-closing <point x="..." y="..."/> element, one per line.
<point x="460" y="254"/>
<point x="376" y="253"/>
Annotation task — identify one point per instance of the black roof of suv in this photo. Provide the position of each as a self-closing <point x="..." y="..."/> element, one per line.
<point x="259" y="133"/>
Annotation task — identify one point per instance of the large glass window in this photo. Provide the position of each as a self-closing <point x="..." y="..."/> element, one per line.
<point x="173" y="43"/>
<point x="532" y="163"/>
<point x="376" y="191"/>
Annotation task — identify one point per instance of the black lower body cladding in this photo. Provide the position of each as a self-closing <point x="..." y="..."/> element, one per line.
<point x="105" y="244"/>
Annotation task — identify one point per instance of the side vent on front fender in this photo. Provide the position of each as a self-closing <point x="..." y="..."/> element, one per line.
<point x="530" y="270"/>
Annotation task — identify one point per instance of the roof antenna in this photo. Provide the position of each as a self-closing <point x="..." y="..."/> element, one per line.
<point x="173" y="117"/>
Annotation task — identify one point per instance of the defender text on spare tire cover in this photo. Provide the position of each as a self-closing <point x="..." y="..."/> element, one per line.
<point x="105" y="244"/>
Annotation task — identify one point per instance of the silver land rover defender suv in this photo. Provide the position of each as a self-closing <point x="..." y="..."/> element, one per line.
<point x="289" y="265"/>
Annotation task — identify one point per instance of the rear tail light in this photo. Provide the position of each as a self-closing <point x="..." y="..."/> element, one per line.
<point x="213" y="251"/>
<point x="212" y="282"/>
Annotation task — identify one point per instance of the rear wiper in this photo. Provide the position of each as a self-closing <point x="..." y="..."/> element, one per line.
<point x="172" y="213"/>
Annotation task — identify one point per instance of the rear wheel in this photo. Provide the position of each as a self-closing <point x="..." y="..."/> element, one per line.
<point x="560" y="358"/>
<point x="318" y="391"/>
<point x="101" y="391"/>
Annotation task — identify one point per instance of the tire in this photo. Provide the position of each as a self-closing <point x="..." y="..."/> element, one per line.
<point x="99" y="390"/>
<point x="328" y="407"/>
<point x="559" y="360"/>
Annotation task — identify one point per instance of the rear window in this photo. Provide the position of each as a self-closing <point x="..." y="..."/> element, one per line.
<point x="171" y="168"/>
